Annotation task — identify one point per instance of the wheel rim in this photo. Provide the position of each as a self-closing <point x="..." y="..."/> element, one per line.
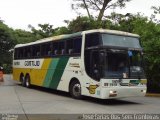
<point x="22" y="79"/>
<point x="77" y="89"/>
<point x="27" y="82"/>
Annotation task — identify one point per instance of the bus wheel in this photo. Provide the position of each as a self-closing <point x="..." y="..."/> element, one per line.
<point x="75" y="90"/>
<point x="22" y="80"/>
<point x="27" y="81"/>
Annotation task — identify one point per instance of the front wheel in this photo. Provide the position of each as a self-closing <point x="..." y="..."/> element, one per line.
<point x="75" y="90"/>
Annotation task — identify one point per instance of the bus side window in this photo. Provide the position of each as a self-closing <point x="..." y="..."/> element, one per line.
<point x="92" y="40"/>
<point x="55" y="52"/>
<point x="70" y="51"/>
<point x="49" y="53"/>
<point x="20" y="53"/>
<point x="77" y="45"/>
<point x="61" y="47"/>
<point x="27" y="52"/>
<point x="36" y="51"/>
<point x="69" y="46"/>
<point x="16" y="52"/>
<point x="63" y="51"/>
<point x="55" y="48"/>
<point x="38" y="54"/>
<point x="49" y="49"/>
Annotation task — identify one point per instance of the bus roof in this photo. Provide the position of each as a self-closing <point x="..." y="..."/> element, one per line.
<point x="66" y="36"/>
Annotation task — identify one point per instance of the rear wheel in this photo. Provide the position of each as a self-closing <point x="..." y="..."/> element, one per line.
<point x="27" y="81"/>
<point x="75" y="90"/>
<point x="22" y="80"/>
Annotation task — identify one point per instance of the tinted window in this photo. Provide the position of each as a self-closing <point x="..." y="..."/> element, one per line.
<point x="36" y="51"/>
<point x="92" y="40"/>
<point x="77" y="45"/>
<point x="27" y="52"/>
<point x="16" y="52"/>
<point x="62" y="47"/>
<point x="73" y="46"/>
<point x="58" y="48"/>
<point x="122" y="41"/>
<point x="55" y="48"/>
<point x="70" y="46"/>
<point x="46" y="49"/>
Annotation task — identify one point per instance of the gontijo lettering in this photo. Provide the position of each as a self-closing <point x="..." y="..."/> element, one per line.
<point x="32" y="63"/>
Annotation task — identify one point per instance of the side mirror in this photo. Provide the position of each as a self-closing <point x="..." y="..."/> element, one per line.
<point x="130" y="54"/>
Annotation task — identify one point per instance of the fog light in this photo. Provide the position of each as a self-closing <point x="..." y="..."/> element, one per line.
<point x="144" y="91"/>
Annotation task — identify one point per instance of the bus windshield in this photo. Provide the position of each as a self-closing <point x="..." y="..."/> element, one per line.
<point x="122" y="64"/>
<point x="122" y="41"/>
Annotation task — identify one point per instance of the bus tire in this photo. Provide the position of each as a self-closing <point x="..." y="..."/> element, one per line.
<point x="75" y="89"/>
<point x="22" y="80"/>
<point x="27" y="81"/>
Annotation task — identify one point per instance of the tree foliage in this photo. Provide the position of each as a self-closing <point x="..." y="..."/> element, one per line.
<point x="156" y="12"/>
<point x="23" y="36"/>
<point x="7" y="42"/>
<point x="99" y="6"/>
<point x="44" y="30"/>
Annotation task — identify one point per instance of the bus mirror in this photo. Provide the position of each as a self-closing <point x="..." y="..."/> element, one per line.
<point x="130" y="54"/>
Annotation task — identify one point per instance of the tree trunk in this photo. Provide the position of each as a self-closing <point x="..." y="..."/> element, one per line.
<point x="101" y="13"/>
<point x="87" y="9"/>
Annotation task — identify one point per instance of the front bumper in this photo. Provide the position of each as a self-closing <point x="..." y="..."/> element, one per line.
<point x="122" y="92"/>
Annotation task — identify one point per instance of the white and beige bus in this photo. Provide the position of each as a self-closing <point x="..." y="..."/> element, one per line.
<point x="99" y="63"/>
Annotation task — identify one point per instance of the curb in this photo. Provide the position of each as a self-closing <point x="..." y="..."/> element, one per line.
<point x="152" y="95"/>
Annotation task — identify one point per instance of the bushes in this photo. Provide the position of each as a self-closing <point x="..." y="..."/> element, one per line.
<point x="7" y="68"/>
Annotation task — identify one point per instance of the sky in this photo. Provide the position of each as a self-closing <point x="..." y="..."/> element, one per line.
<point x="18" y="14"/>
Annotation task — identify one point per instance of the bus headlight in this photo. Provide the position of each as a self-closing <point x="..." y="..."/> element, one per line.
<point x="112" y="93"/>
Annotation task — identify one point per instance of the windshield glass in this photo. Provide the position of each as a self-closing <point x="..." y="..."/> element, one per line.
<point x="135" y="59"/>
<point x="115" y="64"/>
<point x="121" y="41"/>
<point x="122" y="64"/>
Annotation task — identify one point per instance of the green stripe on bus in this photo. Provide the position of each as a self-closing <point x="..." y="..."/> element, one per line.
<point x="50" y="72"/>
<point x="58" y="72"/>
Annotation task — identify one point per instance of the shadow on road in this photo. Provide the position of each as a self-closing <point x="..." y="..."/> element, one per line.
<point x="111" y="102"/>
<point x="85" y="98"/>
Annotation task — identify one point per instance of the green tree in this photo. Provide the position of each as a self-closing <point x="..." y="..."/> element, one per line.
<point x="45" y="30"/>
<point x="7" y="42"/>
<point x="23" y="36"/>
<point x="61" y="30"/>
<point x="80" y="24"/>
<point x="99" y="6"/>
<point x="156" y="12"/>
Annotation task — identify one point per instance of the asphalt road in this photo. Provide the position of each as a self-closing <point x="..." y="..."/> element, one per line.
<point x="37" y="102"/>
